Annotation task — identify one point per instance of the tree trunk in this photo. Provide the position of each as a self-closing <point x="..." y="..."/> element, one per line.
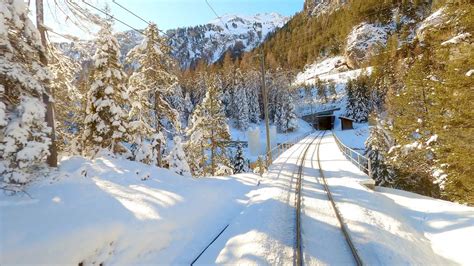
<point x="158" y="157"/>
<point x="52" y="159"/>
<point x="213" y="162"/>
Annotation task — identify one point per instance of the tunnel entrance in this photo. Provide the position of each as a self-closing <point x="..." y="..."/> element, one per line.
<point x="324" y="122"/>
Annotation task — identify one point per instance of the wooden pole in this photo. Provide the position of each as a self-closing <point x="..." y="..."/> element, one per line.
<point x="52" y="159"/>
<point x="265" y="107"/>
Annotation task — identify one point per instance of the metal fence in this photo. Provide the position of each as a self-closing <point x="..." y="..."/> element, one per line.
<point x="359" y="160"/>
<point x="282" y="147"/>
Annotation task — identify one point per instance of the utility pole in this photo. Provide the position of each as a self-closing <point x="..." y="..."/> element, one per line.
<point x="52" y="159"/>
<point x="265" y="108"/>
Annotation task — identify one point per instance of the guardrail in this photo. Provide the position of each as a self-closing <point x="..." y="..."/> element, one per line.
<point x="359" y="160"/>
<point x="282" y="147"/>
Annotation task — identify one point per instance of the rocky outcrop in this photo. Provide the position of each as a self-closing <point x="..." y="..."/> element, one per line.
<point x="363" y="42"/>
<point x="318" y="7"/>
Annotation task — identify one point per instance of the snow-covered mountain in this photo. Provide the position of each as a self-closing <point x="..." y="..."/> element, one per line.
<point x="317" y="7"/>
<point x="210" y="41"/>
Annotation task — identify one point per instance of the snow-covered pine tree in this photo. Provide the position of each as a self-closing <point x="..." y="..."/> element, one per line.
<point x="209" y="131"/>
<point x="69" y="116"/>
<point x="106" y="121"/>
<point x="252" y="85"/>
<point x="332" y="91"/>
<point x="24" y="134"/>
<point x="149" y="85"/>
<point x="196" y="144"/>
<point x="377" y="146"/>
<point x="240" y="103"/>
<point x="350" y="98"/>
<point x="177" y="159"/>
<point x="176" y="100"/>
<point x="358" y="101"/>
<point x="188" y="106"/>
<point x="240" y="164"/>
<point x="321" y="89"/>
<point x="286" y="118"/>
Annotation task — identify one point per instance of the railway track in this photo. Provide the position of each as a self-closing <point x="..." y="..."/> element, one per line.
<point x="298" y="260"/>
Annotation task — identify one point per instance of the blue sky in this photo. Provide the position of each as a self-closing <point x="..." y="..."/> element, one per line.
<point x="170" y="14"/>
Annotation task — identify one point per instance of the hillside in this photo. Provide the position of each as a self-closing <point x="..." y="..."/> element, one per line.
<point x="309" y="36"/>
<point x="206" y="42"/>
<point x="210" y="41"/>
<point x="420" y="57"/>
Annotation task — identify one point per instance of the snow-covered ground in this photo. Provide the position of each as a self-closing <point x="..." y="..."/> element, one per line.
<point x="101" y="210"/>
<point x="388" y="228"/>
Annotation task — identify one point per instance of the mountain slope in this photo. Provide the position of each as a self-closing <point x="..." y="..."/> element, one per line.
<point x="209" y="42"/>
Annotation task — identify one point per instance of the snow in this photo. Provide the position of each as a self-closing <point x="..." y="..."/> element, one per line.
<point x="101" y="211"/>
<point x="448" y="226"/>
<point x="353" y="138"/>
<point x="456" y="39"/>
<point x="239" y="135"/>
<point x="324" y="67"/>
<point x="240" y="24"/>
<point x="365" y="35"/>
<point x="384" y="229"/>
<point x="434" y="20"/>
<point x="332" y="69"/>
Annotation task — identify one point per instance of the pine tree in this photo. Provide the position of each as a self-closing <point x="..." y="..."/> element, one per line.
<point x="106" y="119"/>
<point x="286" y="118"/>
<point x="252" y="86"/>
<point x="177" y="159"/>
<point x="149" y="85"/>
<point x="377" y="146"/>
<point x="321" y="91"/>
<point x="209" y="131"/>
<point x="358" y="102"/>
<point x="24" y="134"/>
<point x="241" y="107"/>
<point x="240" y="165"/>
<point x="68" y="100"/>
<point x="188" y="106"/>
<point x="332" y="91"/>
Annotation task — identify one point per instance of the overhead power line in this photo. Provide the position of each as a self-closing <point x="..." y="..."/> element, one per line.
<point x="137" y="16"/>
<point x="126" y="24"/>
<point x="215" y="13"/>
<point x="111" y="16"/>
<point x="129" y="11"/>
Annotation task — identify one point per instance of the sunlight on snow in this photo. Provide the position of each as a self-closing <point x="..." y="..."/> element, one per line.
<point x="138" y="204"/>
<point x="248" y="250"/>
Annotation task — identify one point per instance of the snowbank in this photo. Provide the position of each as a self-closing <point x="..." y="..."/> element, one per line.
<point x="448" y="226"/>
<point x="101" y="210"/>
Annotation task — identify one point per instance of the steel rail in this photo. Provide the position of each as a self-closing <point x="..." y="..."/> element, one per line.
<point x="343" y="225"/>
<point x="299" y="250"/>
